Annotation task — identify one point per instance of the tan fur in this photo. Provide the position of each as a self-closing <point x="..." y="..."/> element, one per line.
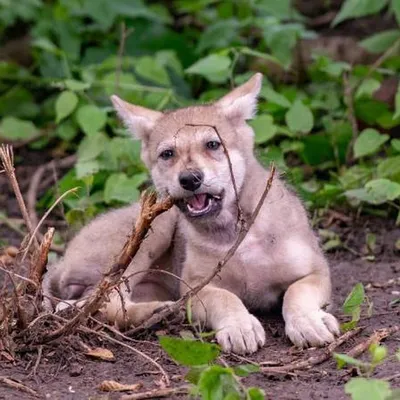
<point x="280" y="256"/>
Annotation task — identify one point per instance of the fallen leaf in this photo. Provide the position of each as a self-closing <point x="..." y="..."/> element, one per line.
<point x="113" y="386"/>
<point x="101" y="353"/>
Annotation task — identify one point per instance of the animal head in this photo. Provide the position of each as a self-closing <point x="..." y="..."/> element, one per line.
<point x="185" y="149"/>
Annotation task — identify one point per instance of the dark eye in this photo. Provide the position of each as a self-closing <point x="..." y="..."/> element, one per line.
<point x="167" y="154"/>
<point x="213" y="145"/>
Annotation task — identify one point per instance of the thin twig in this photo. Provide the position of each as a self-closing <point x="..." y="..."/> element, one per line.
<point x="157" y="393"/>
<point x="167" y="310"/>
<point x="121" y="49"/>
<point x="349" y="99"/>
<point x="7" y="159"/>
<point x="313" y="360"/>
<point x="376" y="337"/>
<point x="18" y="385"/>
<point x="46" y="214"/>
<point x="32" y="194"/>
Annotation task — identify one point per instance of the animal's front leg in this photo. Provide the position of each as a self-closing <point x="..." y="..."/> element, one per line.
<point x="236" y="329"/>
<point x="306" y="322"/>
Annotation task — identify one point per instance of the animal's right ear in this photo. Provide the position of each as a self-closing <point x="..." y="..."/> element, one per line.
<point x="139" y="120"/>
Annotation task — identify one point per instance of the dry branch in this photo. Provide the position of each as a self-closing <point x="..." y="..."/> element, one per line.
<point x="149" y="211"/>
<point x="313" y="360"/>
<point x="7" y="160"/>
<point x="376" y="337"/>
<point x="167" y="310"/>
<point x="17" y="385"/>
<point x="39" y="262"/>
<point x="157" y="393"/>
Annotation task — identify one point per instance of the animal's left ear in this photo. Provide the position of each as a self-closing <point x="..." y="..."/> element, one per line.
<point x="241" y="103"/>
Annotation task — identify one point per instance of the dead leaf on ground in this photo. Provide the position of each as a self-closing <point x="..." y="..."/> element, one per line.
<point x="101" y="353"/>
<point x="114" y="386"/>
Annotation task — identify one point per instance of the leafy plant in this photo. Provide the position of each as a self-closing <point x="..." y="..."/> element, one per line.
<point x="210" y="381"/>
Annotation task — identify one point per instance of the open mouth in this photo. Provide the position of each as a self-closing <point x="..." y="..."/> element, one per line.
<point x="200" y="205"/>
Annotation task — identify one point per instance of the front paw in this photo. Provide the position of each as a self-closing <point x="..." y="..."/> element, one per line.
<point x="240" y="334"/>
<point x="312" y="328"/>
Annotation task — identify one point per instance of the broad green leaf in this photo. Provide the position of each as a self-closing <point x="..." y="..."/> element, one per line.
<point x="91" y="119"/>
<point x="189" y="352"/>
<point x="264" y="128"/>
<point x="219" y="34"/>
<point x="378" y="353"/>
<point x="86" y="168"/>
<point x="396" y="10"/>
<point x="274" y="97"/>
<point x="397" y="101"/>
<point x="246" y="369"/>
<point x="299" y="118"/>
<point x="396" y="144"/>
<point x="354" y="299"/>
<point x="255" y="393"/>
<point x="343" y="359"/>
<point x="355" y="177"/>
<point x="67" y="130"/>
<point x="194" y="373"/>
<point x="358" y="8"/>
<point x="148" y="67"/>
<point x="65" y="104"/>
<point x="92" y="146"/>
<point x="369" y="142"/>
<point x="368" y="87"/>
<point x="216" y="382"/>
<point x="17" y="129"/>
<point x="383" y="190"/>
<point x="389" y="168"/>
<point x="119" y="187"/>
<point x="76" y="86"/>
<point x="214" y="67"/>
<point x="367" y="389"/>
<point x="380" y="42"/>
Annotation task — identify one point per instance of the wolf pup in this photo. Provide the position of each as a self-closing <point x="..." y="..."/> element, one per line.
<point x="279" y="258"/>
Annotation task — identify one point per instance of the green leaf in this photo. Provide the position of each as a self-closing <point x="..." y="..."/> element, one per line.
<point x="354" y="299"/>
<point x="358" y="8"/>
<point x="274" y="97"/>
<point x="299" y="118"/>
<point x="214" y="67"/>
<point x="368" y="142"/>
<point x="17" y="129"/>
<point x="65" y="104"/>
<point x="219" y="34"/>
<point x="255" y="393"/>
<point x="397" y="101"/>
<point x="76" y="86"/>
<point x="389" y="168"/>
<point x="367" y="389"/>
<point x="380" y="42"/>
<point x="246" y="369"/>
<point x="396" y="144"/>
<point x="91" y="119"/>
<point x="119" y="187"/>
<point x="343" y="359"/>
<point x="396" y="10"/>
<point x="216" y="382"/>
<point x="264" y="128"/>
<point x="86" y="168"/>
<point x="378" y="353"/>
<point x="382" y="190"/>
<point x="148" y="67"/>
<point x="189" y="352"/>
<point x="368" y="87"/>
<point x="92" y="146"/>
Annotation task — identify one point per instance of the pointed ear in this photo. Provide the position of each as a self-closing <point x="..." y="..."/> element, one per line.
<point x="241" y="103"/>
<point x="139" y="120"/>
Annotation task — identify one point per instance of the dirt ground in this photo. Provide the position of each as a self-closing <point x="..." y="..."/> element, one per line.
<point x="63" y="372"/>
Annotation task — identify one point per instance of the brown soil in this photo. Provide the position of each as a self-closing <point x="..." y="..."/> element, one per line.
<point x="65" y="373"/>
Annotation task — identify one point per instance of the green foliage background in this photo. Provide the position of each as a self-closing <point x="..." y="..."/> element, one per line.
<point x="162" y="55"/>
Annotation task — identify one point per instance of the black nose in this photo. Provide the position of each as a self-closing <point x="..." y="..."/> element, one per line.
<point x="191" y="180"/>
